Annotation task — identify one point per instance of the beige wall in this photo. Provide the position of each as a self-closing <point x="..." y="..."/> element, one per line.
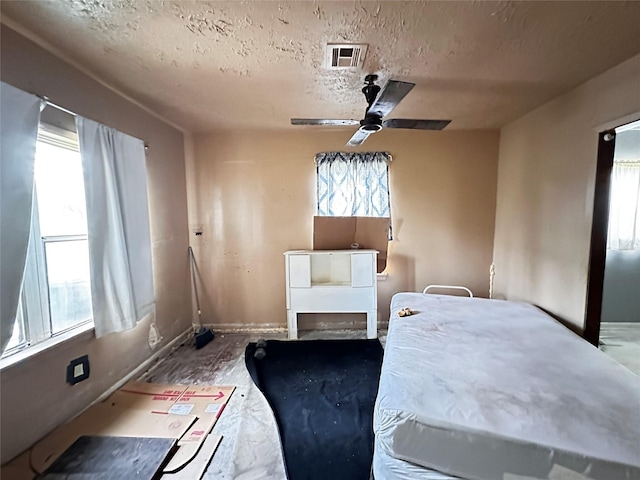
<point x="546" y="180"/>
<point x="254" y="195"/>
<point x="35" y="397"/>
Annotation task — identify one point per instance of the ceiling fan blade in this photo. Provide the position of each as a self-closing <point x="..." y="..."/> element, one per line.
<point x="358" y="138"/>
<point x="416" y="124"/>
<point x="392" y="94"/>
<point x="322" y="121"/>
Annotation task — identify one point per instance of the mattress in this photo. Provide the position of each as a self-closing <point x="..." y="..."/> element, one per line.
<point x="387" y="467"/>
<point x="490" y="389"/>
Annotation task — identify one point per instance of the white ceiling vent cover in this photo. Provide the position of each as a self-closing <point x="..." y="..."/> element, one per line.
<point x="345" y="55"/>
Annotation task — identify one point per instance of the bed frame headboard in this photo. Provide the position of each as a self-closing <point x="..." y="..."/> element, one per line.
<point x="454" y="287"/>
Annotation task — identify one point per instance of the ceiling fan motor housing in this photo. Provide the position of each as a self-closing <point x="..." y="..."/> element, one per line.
<point x="371" y="123"/>
<point x="370" y="90"/>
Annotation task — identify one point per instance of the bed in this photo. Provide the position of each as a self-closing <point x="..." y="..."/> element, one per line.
<point x="490" y="389"/>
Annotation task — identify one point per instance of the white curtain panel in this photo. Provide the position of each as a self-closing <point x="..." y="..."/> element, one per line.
<point x="115" y="180"/>
<point x="19" y="119"/>
<point x="624" y="211"/>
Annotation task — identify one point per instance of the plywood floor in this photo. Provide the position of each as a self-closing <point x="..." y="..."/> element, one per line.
<point x="250" y="447"/>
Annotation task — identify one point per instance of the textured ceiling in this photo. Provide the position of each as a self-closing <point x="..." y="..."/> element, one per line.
<point x="212" y="65"/>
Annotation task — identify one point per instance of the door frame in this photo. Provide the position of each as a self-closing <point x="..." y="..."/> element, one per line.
<point x="599" y="229"/>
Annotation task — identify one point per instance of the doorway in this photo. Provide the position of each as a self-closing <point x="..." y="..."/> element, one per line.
<point x="613" y="295"/>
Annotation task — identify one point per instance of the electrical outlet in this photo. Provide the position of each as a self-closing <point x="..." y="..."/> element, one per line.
<point x="78" y="370"/>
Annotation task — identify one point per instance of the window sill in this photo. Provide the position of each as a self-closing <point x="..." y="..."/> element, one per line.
<point x="82" y="332"/>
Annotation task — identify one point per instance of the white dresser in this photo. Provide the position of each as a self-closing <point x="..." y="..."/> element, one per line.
<point x="331" y="281"/>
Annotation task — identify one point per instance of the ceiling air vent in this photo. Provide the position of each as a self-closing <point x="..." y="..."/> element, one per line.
<point x="345" y="55"/>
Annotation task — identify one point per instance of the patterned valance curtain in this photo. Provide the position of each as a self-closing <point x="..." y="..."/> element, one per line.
<point x="353" y="184"/>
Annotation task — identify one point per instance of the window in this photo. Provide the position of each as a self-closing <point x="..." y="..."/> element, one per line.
<point x="624" y="207"/>
<point x="56" y="292"/>
<point x="74" y="195"/>
<point x="353" y="184"/>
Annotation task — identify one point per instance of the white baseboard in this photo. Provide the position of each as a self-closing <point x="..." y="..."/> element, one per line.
<point x="247" y="328"/>
<point x="279" y="328"/>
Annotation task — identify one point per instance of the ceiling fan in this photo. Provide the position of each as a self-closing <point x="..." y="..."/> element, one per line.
<point x="380" y="104"/>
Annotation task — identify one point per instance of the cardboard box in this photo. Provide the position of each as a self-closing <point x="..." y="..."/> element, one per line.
<point x="340" y="233"/>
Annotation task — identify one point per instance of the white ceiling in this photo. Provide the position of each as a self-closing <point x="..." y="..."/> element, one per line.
<point x="255" y="64"/>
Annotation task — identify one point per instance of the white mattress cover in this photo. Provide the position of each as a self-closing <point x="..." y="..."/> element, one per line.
<point x="487" y="389"/>
<point x="387" y="467"/>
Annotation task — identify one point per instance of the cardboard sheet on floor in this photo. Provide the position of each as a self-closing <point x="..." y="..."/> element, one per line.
<point x="108" y="419"/>
<point x="95" y="457"/>
<point x="153" y="397"/>
<point x="194" y="470"/>
<point x="207" y="403"/>
<point x="339" y="233"/>
<point x="184" y="412"/>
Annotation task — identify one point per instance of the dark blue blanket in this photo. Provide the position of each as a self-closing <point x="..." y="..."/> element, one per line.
<point x="322" y="393"/>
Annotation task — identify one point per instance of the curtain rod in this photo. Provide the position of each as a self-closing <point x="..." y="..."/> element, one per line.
<point x="45" y="99"/>
<point x="51" y="104"/>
